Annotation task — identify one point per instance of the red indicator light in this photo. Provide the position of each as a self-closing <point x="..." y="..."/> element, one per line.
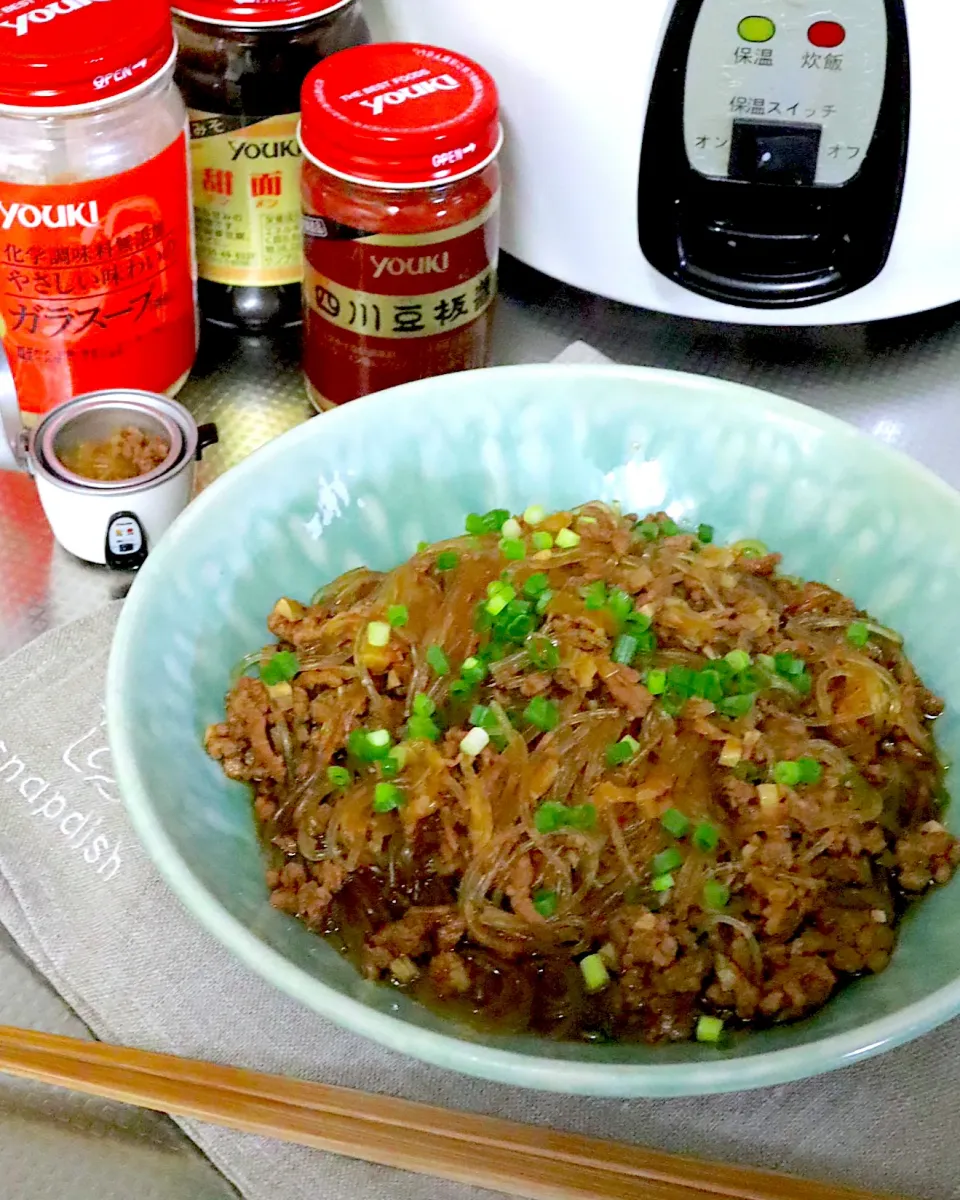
<point x="826" y="34"/>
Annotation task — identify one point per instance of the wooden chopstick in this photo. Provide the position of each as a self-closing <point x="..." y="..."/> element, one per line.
<point x="520" y="1160"/>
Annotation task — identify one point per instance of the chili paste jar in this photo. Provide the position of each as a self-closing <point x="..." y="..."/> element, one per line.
<point x="97" y="286"/>
<point x="240" y="67"/>
<point x="401" y="195"/>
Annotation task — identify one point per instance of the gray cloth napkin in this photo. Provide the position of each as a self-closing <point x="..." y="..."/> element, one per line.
<point x="85" y="905"/>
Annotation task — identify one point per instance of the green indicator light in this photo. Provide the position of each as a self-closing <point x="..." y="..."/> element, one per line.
<point x="756" y="29"/>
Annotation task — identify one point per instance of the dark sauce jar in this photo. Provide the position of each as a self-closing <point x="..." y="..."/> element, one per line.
<point x="240" y="67"/>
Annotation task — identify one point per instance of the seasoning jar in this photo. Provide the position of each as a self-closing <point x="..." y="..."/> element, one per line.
<point x="96" y="254"/>
<point x="401" y="194"/>
<point x="240" y="66"/>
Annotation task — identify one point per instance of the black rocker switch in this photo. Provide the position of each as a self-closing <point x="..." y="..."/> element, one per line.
<point x="768" y="152"/>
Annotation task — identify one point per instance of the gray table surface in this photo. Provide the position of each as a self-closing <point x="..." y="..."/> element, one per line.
<point x="897" y="380"/>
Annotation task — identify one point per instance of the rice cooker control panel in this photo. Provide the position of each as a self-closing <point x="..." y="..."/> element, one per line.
<point x="792" y="95"/>
<point x="126" y="542"/>
<point x="775" y="146"/>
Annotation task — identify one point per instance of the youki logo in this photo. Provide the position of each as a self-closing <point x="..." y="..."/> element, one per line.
<point x="52" y="216"/>
<point x="439" y="83"/>
<point x="48" y="12"/>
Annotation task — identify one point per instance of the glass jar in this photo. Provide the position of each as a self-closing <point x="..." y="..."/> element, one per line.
<point x="401" y="194"/>
<point x="240" y="67"/>
<point x="96" y="254"/>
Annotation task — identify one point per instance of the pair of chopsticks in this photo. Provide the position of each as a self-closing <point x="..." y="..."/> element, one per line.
<point x="521" y="1160"/>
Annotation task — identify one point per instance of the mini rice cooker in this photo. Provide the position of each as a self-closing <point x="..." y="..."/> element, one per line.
<point x="115" y="523"/>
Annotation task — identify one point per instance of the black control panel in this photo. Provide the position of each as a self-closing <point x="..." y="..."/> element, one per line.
<point x="773" y="159"/>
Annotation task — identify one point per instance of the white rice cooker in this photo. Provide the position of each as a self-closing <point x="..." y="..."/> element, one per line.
<point x="117" y="523"/>
<point x="781" y="162"/>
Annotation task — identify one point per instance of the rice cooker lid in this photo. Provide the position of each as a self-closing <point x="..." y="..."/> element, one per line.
<point x="12" y="441"/>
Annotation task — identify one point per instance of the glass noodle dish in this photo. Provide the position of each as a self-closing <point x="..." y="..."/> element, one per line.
<point x="593" y="777"/>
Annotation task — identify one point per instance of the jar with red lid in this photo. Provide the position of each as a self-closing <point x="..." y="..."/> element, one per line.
<point x="97" y="284"/>
<point x="240" y="66"/>
<point x="401" y="195"/>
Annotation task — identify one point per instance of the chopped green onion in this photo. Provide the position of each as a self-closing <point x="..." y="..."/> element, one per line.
<point x="709" y="1029"/>
<point x="656" y="682"/>
<point x="473" y="670"/>
<point x="709" y="685"/>
<point x="624" y="649"/>
<point x="535" y="585"/>
<point x="475" y="741"/>
<point x="543" y="713"/>
<point x="857" y="633"/>
<point x="810" y="770"/>
<point x="386" y="797"/>
<point x="545" y="902"/>
<point x="637" y="622"/>
<point x="553" y="815"/>
<point x="422" y="727"/>
<point x="594" y="595"/>
<point x="499" y="600"/>
<point x="647" y="529"/>
<point x="586" y="520"/>
<point x="460" y="689"/>
<point x="280" y="668"/>
<point x="423" y="706"/>
<point x="595" y="973"/>
<point x="543" y="653"/>
<point x="513" y="548"/>
<point x="739" y="660"/>
<point x="622" y="751"/>
<point x="421" y="546"/>
<point x="397" y="615"/>
<point x="378" y="633"/>
<point x="511" y="528"/>
<point x="339" y="776"/>
<point x="705" y="534"/>
<point x="716" y="894"/>
<point x="803" y="683"/>
<point x="542" y="540"/>
<point x="669" y="528"/>
<point x="447" y="560"/>
<point x="543" y="600"/>
<point x="789" y="665"/>
<point x="534" y="514"/>
<point x="368" y="747"/>
<point x="675" y="822"/>
<point x="787" y="773"/>
<point x="484" y="718"/>
<point x="749" y="548"/>
<point x="735" y="706"/>
<point x="662" y="883"/>
<point x="567" y="539"/>
<point x="706" y="837"/>
<point x="621" y="606"/>
<point x="491" y="522"/>
<point x="438" y="660"/>
<point x="666" y="861"/>
<point x="681" y="680"/>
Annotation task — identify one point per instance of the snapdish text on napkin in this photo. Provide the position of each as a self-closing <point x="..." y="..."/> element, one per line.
<point x="79" y="823"/>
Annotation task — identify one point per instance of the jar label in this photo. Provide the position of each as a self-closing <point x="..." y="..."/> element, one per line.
<point x="246" y="198"/>
<point x="98" y="282"/>
<point x="401" y="287"/>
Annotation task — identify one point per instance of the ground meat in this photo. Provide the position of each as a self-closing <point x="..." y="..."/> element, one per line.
<point x="242" y="743"/>
<point x="926" y="856"/>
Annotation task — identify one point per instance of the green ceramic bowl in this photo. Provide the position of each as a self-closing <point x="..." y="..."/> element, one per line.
<point x="364" y="485"/>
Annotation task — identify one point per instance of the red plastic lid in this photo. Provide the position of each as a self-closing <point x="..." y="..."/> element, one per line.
<point x="256" y="12"/>
<point x="398" y="115"/>
<point x="67" y="52"/>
